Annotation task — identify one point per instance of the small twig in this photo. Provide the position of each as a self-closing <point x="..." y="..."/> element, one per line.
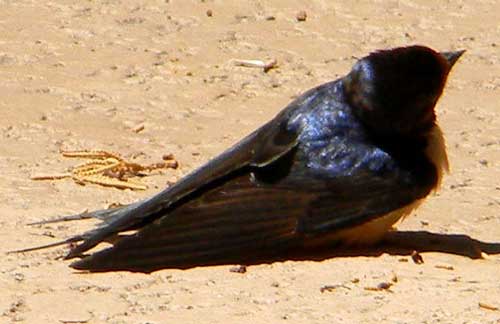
<point x="74" y="321"/>
<point x="328" y="288"/>
<point x="487" y="306"/>
<point x="256" y="64"/>
<point x="92" y="154"/>
<point x="444" y="267"/>
<point x="55" y="176"/>
<point x="107" y="169"/>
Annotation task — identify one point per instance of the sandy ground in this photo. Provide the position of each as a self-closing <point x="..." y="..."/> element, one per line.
<point x="84" y="74"/>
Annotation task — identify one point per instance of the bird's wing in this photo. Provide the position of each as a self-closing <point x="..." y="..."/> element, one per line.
<point x="250" y="216"/>
<point x="230" y="222"/>
<point x="258" y="149"/>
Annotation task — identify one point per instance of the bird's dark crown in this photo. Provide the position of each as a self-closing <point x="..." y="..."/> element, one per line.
<point x="394" y="91"/>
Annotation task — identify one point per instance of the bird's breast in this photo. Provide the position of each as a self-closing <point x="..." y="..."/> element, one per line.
<point x="367" y="233"/>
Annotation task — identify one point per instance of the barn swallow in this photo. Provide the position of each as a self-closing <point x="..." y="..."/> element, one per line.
<point x="341" y="164"/>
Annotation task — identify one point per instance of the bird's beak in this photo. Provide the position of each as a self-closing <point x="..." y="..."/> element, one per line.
<point x="452" y="57"/>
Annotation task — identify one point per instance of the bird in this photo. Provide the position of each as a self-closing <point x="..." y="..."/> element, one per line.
<point x="340" y="165"/>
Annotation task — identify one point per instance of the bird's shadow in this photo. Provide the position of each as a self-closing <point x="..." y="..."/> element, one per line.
<point x="402" y="243"/>
<point x="407" y="242"/>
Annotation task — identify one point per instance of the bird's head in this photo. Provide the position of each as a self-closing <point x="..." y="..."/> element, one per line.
<point x="394" y="91"/>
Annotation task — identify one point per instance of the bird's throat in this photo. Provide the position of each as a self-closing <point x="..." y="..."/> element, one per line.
<point x="436" y="153"/>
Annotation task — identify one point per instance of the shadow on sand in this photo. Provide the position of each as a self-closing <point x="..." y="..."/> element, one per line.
<point x="402" y="243"/>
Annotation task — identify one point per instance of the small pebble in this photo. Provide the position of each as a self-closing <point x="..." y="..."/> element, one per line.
<point x="138" y="128"/>
<point x="380" y="287"/>
<point x="483" y="162"/>
<point x="239" y="269"/>
<point x="417" y="258"/>
<point x="168" y="156"/>
<point x="301" y="15"/>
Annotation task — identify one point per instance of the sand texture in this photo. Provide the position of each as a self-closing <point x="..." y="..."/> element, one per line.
<point x="149" y="78"/>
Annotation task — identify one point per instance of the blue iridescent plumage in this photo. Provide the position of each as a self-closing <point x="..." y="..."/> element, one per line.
<point x="332" y="140"/>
